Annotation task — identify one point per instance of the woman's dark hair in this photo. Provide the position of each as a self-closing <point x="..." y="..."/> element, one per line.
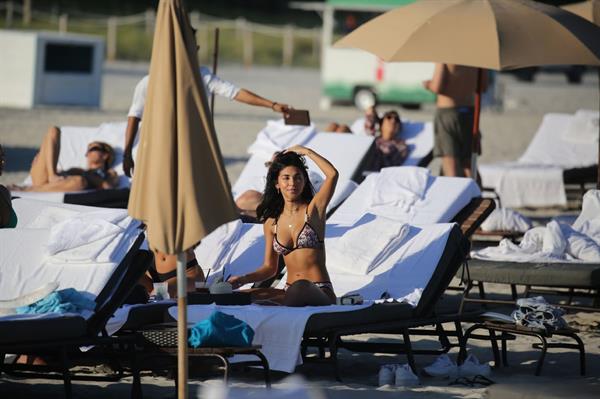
<point x="271" y="205"/>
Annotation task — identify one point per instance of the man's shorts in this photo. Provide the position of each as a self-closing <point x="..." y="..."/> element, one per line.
<point x="453" y="130"/>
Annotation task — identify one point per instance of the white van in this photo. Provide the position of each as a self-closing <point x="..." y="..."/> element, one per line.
<point x="352" y="75"/>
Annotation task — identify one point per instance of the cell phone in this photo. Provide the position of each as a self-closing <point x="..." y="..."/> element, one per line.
<point x="297" y="117"/>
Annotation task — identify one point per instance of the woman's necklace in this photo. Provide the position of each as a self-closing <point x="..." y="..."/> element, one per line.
<point x="290" y="215"/>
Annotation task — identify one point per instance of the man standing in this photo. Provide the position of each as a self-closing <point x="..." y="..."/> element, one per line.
<point x="213" y="84"/>
<point x="455" y="86"/>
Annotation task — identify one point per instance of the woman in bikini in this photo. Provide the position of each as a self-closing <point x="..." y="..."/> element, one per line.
<point x="294" y="225"/>
<point x="46" y="177"/>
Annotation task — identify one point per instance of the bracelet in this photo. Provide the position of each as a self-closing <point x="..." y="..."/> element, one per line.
<point x="273" y="106"/>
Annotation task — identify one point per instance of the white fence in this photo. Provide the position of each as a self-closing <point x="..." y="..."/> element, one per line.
<point x="205" y="24"/>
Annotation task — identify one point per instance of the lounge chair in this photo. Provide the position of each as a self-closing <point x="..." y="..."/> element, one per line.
<point x="73" y="145"/>
<point x="418" y="136"/>
<point x="239" y="247"/>
<point x="61" y="335"/>
<point x="538" y="272"/>
<point x="560" y="154"/>
<point x="437" y="261"/>
<point x="24" y="265"/>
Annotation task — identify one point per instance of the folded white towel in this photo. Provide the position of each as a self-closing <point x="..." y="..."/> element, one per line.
<point x="277" y="136"/>
<point x="366" y="245"/>
<point x="504" y="219"/>
<point x="399" y="186"/>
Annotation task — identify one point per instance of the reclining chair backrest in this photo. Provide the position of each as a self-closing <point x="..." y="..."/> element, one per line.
<point x="455" y="253"/>
<point x="119" y="286"/>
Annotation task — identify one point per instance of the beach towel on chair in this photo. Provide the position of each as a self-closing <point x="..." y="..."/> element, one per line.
<point x="220" y="329"/>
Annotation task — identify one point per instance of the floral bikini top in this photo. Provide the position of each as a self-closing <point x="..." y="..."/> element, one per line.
<point x="307" y="238"/>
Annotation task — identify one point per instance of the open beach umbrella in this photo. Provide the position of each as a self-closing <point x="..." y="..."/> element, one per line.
<point x="589" y="9"/>
<point x="491" y="34"/>
<point x="180" y="188"/>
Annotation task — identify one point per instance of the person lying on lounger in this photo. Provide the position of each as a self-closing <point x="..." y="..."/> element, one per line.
<point x="8" y="217"/>
<point x="390" y="150"/>
<point x="294" y="227"/>
<point x="45" y="176"/>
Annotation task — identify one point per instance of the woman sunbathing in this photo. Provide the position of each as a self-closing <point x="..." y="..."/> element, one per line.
<point x="8" y="217"/>
<point x="46" y="177"/>
<point x="294" y="226"/>
<point x="390" y="150"/>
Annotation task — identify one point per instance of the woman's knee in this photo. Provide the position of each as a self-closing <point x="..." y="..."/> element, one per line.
<point x="53" y="133"/>
<point x="343" y="129"/>
<point x="332" y="127"/>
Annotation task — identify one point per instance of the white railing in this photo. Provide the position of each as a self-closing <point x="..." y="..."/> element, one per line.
<point x="244" y="30"/>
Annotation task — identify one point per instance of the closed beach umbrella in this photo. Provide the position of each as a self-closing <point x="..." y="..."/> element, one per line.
<point x="180" y="188"/>
<point x="589" y="10"/>
<point x="491" y="34"/>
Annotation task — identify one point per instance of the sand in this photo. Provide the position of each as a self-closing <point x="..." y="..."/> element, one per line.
<point x="507" y="130"/>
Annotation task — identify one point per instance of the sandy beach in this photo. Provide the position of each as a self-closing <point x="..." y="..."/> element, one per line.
<point x="507" y="129"/>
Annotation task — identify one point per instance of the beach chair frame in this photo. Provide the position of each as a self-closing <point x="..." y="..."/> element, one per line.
<point x="90" y="332"/>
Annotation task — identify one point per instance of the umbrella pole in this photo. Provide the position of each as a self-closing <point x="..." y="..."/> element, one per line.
<point x="182" y="358"/>
<point x="475" y="146"/>
<point x="214" y="71"/>
<point x="598" y="177"/>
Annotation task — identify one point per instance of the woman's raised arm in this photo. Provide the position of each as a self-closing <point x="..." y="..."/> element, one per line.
<point x="323" y="196"/>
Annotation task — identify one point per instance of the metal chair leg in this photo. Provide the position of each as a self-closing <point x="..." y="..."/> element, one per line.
<point x="538" y="369"/>
<point x="495" y="351"/>
<point x="266" y="369"/>
<point x="65" y="372"/>
<point x="409" y="353"/>
<point x="333" y="350"/>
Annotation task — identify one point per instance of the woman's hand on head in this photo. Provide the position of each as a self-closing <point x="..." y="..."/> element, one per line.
<point x="298" y="149"/>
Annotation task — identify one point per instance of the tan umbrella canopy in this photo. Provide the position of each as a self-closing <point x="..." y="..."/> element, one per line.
<point x="180" y="188"/>
<point x="589" y="10"/>
<point x="491" y="34"/>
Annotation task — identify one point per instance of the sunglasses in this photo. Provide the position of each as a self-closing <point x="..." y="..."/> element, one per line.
<point x="392" y="116"/>
<point x="96" y="148"/>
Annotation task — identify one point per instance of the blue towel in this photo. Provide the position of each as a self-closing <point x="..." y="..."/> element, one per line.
<point x="68" y="300"/>
<point x="220" y="329"/>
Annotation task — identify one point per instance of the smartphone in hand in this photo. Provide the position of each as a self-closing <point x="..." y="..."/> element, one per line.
<point x="297" y="117"/>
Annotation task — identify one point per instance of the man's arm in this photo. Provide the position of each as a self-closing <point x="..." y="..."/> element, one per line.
<point x="248" y="97"/>
<point x="130" y="133"/>
<point x="438" y="81"/>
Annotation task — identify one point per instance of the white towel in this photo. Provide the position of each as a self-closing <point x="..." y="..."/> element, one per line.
<point x="277" y="136"/>
<point x="590" y="208"/>
<point x="363" y="247"/>
<point x="399" y="186"/>
<point x="531" y="185"/>
<point x="51" y="216"/>
<point x="221" y="243"/>
<point x="504" y="219"/>
<point x="583" y="127"/>
<point x="278" y="329"/>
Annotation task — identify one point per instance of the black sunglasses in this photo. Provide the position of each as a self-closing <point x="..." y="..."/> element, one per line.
<point x="96" y="148"/>
<point x="391" y="116"/>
